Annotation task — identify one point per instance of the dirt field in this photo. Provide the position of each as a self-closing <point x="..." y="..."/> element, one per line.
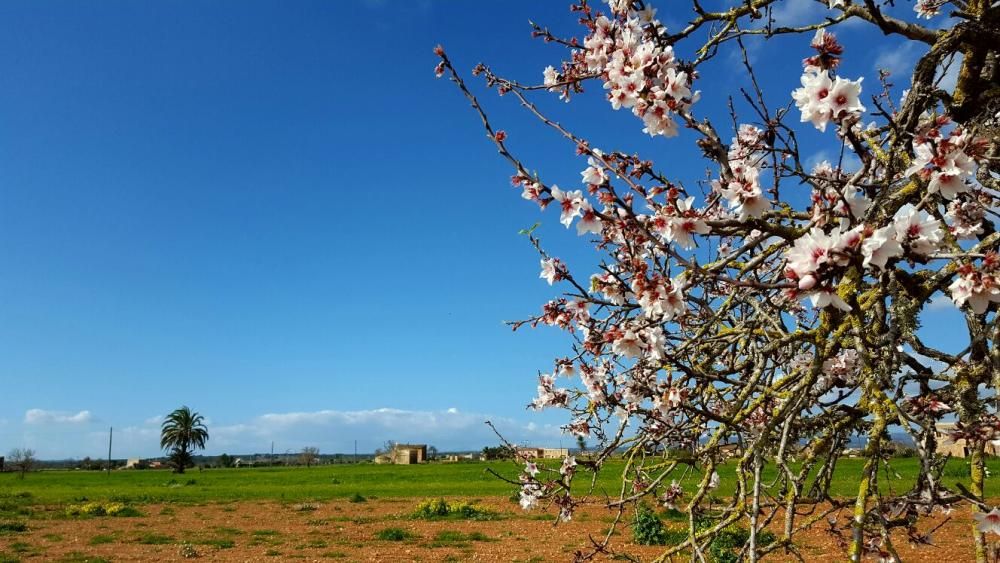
<point x="345" y="531"/>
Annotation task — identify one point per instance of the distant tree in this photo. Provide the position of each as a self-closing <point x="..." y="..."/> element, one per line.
<point x="182" y="432"/>
<point x="389" y="447"/>
<point x="498" y="452"/>
<point x="309" y="456"/>
<point x="432" y="452"/>
<point x="226" y="460"/>
<point x="22" y="460"/>
<point x="581" y="443"/>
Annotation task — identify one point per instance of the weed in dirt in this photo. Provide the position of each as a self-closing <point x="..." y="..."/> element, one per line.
<point x="102" y="509"/>
<point x="101" y="539"/>
<point x="78" y="557"/>
<point x="647" y="527"/>
<point x="394" y="534"/>
<point x="266" y="537"/>
<point x="541" y="517"/>
<point x="12" y="527"/>
<point x="152" y="538"/>
<point x="54" y="538"/>
<point x="357" y="497"/>
<point x="218" y="543"/>
<point x="272" y="553"/>
<point x="188" y="551"/>
<point x="334" y="555"/>
<point x="364" y="519"/>
<point x="452" y="538"/>
<point x="24" y="548"/>
<point x="437" y="509"/>
<point x="8" y="558"/>
<point x="10" y="509"/>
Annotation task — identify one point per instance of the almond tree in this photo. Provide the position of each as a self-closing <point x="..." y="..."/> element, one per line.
<point x="728" y="311"/>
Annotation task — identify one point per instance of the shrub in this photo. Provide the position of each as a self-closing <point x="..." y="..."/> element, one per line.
<point x="101" y="539"/>
<point x="393" y="534"/>
<point x="436" y="509"/>
<point x="647" y="528"/>
<point x="726" y="546"/>
<point x="13" y="527"/>
<point x="102" y="509"/>
<point x="357" y="497"/>
<point x="188" y="551"/>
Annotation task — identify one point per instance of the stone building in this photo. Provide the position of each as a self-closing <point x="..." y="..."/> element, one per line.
<point x="407" y="454"/>
<point x="958" y="448"/>
<point x="527" y="452"/>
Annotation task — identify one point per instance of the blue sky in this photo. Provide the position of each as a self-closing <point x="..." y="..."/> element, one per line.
<point x="272" y="212"/>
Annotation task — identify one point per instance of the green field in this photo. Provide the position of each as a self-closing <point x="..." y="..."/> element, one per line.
<point x="338" y="481"/>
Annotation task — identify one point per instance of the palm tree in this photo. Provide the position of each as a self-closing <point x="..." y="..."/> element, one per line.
<point x="182" y="432"/>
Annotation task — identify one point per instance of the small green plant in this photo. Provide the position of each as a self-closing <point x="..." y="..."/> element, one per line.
<point x="13" y="526"/>
<point x="101" y="539"/>
<point x="305" y="507"/>
<point x="150" y="538"/>
<point x="394" y="534"/>
<point x="357" y="497"/>
<point x="188" y="551"/>
<point x="452" y="538"/>
<point x="437" y="509"/>
<point x="117" y="509"/>
<point x="77" y="557"/>
<point x="218" y="543"/>
<point x="725" y="547"/>
<point x="647" y="528"/>
<point x="23" y="548"/>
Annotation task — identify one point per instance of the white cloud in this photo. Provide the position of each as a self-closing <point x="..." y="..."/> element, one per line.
<point x="334" y="430"/>
<point x="850" y="163"/>
<point x="798" y="12"/>
<point x="40" y="416"/>
<point x="65" y="434"/>
<point x="899" y="61"/>
<point x="941" y="302"/>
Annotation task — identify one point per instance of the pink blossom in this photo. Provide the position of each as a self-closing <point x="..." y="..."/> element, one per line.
<point x="570" y="204"/>
<point x="552" y="270"/>
<point x="988" y="521"/>
<point x="920" y="232"/>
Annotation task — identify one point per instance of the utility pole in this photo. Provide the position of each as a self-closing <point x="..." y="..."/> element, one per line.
<point x="111" y="433"/>
<point x="271" y="461"/>
<point x="355" y="451"/>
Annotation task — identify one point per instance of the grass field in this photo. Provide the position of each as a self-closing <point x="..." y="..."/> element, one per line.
<point x="390" y="481"/>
